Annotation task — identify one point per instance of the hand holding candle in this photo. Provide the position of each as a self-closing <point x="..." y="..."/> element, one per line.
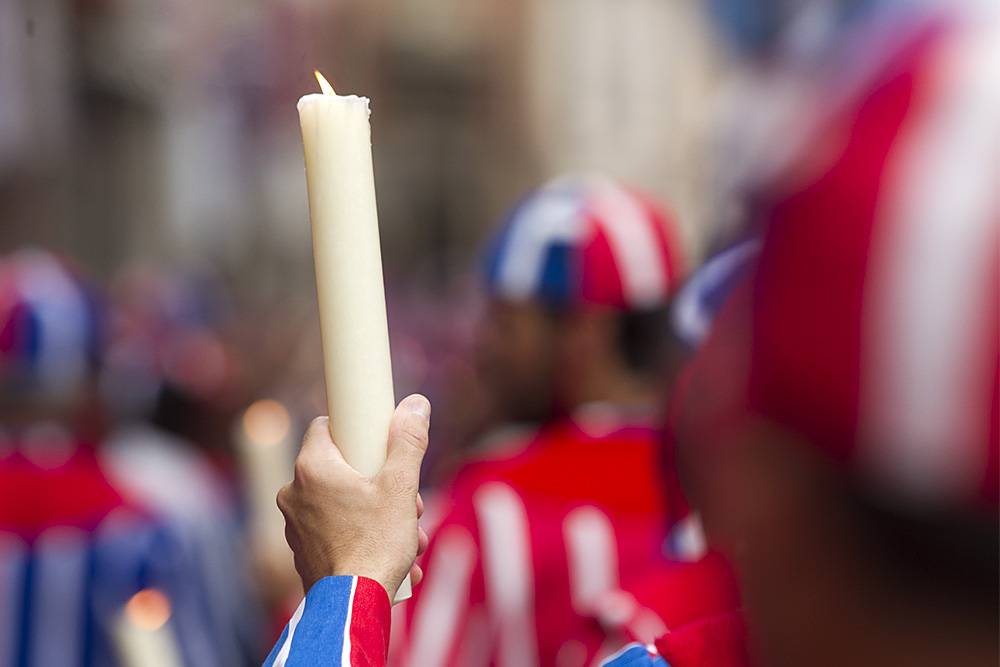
<point x="339" y="522"/>
<point x="336" y="137"/>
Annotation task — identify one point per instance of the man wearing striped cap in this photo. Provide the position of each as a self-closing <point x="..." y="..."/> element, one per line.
<point x="542" y="538"/>
<point x="542" y="533"/>
<point x="76" y="541"/>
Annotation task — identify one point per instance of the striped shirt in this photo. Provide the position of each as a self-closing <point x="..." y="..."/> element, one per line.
<point x="342" y="621"/>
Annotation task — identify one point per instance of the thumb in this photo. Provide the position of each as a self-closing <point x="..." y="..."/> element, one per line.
<point x="408" y="437"/>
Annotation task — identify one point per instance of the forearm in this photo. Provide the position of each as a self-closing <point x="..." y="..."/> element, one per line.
<point x="343" y="621"/>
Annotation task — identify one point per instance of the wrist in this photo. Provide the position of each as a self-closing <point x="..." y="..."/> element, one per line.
<point x="368" y="583"/>
<point x="389" y="582"/>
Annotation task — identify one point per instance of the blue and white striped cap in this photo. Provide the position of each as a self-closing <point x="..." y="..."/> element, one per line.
<point x="586" y="240"/>
<point x="51" y="326"/>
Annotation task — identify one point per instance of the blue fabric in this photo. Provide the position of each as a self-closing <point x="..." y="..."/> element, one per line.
<point x="497" y="252"/>
<point x="555" y="287"/>
<point x="703" y="295"/>
<point x="635" y="655"/>
<point x="116" y="563"/>
<point x="750" y="26"/>
<point x="556" y="279"/>
<point x="318" y="638"/>
<point x="717" y="291"/>
<point x="756" y="27"/>
<point x="322" y="625"/>
<point x="32" y="336"/>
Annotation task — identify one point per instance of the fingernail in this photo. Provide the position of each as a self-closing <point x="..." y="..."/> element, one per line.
<point x="420" y="406"/>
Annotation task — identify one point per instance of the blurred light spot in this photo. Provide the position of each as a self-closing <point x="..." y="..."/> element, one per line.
<point x="148" y="609"/>
<point x="266" y="422"/>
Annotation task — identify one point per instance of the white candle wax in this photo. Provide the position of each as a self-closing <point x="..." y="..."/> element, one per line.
<point x="142" y="632"/>
<point x="264" y="441"/>
<point x="336" y="137"/>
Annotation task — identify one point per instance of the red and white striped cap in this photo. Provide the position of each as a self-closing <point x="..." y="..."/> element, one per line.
<point x="588" y="240"/>
<point x="869" y="325"/>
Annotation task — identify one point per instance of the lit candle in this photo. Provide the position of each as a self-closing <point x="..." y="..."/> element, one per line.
<point x="336" y="137"/>
<point x="142" y="632"/>
<point x="265" y="447"/>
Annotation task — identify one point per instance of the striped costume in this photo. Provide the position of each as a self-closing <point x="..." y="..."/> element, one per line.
<point x="85" y="527"/>
<point x="546" y="556"/>
<point x="345" y="621"/>
<point x="341" y="621"/>
<point x="73" y="551"/>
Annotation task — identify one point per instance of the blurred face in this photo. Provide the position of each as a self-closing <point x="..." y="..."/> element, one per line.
<point x="515" y="355"/>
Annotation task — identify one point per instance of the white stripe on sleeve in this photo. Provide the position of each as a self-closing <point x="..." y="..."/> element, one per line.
<point x="345" y="653"/>
<point x="282" y="657"/>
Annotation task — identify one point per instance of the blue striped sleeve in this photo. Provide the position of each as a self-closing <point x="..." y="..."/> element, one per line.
<point x="320" y="633"/>
<point x="323" y="627"/>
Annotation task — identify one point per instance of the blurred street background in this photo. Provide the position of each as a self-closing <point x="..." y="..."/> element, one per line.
<point x="154" y="148"/>
<point x="163" y="137"/>
<point x="160" y="353"/>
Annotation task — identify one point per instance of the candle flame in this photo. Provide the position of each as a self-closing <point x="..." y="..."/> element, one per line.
<point x="324" y="85"/>
<point x="266" y="422"/>
<point x="149" y="609"/>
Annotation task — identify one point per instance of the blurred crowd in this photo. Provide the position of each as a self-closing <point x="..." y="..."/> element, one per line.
<point x="720" y="381"/>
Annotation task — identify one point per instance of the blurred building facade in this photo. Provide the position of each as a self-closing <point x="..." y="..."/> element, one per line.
<point x="166" y="133"/>
<point x="135" y="128"/>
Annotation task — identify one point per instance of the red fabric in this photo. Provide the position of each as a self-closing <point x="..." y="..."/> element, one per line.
<point x="75" y="493"/>
<point x="991" y="475"/>
<point x="793" y="343"/>
<point x="562" y="469"/>
<point x="808" y="292"/>
<point x="601" y="280"/>
<point x="369" y="631"/>
<point x="684" y="593"/>
<point x="719" y="641"/>
<point x="669" y="242"/>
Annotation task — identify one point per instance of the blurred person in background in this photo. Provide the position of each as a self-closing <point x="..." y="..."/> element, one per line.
<point x="543" y="529"/>
<point x="839" y="429"/>
<point x="75" y="544"/>
<point x="166" y="378"/>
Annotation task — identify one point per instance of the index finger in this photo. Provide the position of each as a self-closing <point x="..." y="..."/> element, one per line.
<point x="318" y="445"/>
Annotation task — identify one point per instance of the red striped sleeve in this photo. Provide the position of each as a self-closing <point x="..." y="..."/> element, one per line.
<point x="369" y="624"/>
